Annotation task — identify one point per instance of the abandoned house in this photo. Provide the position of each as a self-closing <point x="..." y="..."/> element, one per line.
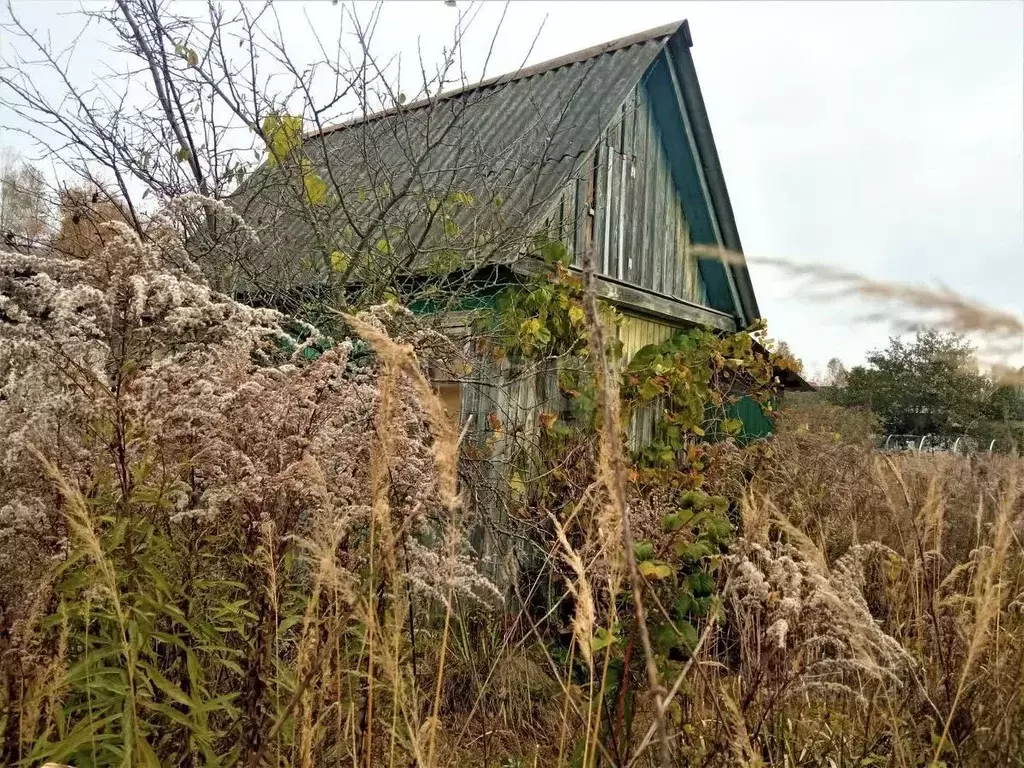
<point x="608" y="150"/>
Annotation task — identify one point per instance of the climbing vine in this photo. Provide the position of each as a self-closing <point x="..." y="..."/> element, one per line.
<point x="688" y="389"/>
<point x="693" y="382"/>
<point x="545" y="317"/>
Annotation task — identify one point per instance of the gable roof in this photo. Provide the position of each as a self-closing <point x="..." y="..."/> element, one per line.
<point x="646" y="45"/>
<point x="513" y="142"/>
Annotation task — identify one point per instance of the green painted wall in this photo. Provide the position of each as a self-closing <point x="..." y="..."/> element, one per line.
<point x="756" y="423"/>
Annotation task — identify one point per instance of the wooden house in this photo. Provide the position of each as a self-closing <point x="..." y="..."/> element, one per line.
<point x="608" y="149"/>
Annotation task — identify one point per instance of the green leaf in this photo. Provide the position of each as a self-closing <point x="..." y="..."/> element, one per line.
<point x="649" y="390"/>
<point x="81" y="735"/>
<point x="166" y="686"/>
<point x="700" y="584"/>
<point x="718" y="529"/>
<point x="732" y="426"/>
<point x="675" y="521"/>
<point x="460" y="198"/>
<point x="683" y="605"/>
<point x="288" y="623"/>
<point x="169" y="712"/>
<point x="693" y="500"/>
<point x="555" y="252"/>
<point x="645" y="356"/>
<point x="451" y="227"/>
<point x="444" y="261"/>
<point x="602" y="639"/>
<point x="688" y="637"/>
<point x="340" y="261"/>
<point x="147" y="756"/>
<point x="184" y="154"/>
<point x="316" y="187"/>
<point x="643" y="550"/>
<point x="693" y="551"/>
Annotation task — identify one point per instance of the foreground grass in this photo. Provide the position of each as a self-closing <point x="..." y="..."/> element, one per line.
<point x="868" y="614"/>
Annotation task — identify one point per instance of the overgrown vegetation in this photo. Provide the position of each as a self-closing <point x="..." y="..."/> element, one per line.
<point x="228" y="537"/>
<point x="220" y="550"/>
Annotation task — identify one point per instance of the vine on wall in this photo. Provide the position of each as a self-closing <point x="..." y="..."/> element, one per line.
<point x="691" y="385"/>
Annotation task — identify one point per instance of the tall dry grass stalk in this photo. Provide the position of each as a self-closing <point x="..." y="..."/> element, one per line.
<point x="988" y="589"/>
<point x="905" y="306"/>
<point x="401" y="359"/>
<point x="612" y="462"/>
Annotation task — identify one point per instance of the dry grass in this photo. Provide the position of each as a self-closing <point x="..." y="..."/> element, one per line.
<point x="869" y="611"/>
<point x="871" y="615"/>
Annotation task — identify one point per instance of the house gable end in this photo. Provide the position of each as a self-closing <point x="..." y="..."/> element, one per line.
<point x="689" y="172"/>
<point x="609" y="148"/>
<point x="651" y="188"/>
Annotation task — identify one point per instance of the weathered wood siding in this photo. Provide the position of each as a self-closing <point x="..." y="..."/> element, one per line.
<point x="501" y="403"/>
<point x="624" y="204"/>
<point x="635" y="334"/>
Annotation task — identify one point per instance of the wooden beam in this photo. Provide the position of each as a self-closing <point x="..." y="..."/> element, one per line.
<point x="662" y="307"/>
<point x="643" y="301"/>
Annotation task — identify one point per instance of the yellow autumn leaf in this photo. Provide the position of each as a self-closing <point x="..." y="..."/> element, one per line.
<point x="340" y="261"/>
<point x="654" y="571"/>
<point x="316" y="187"/>
<point x="516" y="484"/>
<point x="283" y="133"/>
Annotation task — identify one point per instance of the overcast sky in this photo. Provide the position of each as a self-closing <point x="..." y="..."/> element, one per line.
<point x="884" y="138"/>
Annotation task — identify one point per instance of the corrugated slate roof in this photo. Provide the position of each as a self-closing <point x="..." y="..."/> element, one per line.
<point x="511" y="142"/>
<point x="657" y="35"/>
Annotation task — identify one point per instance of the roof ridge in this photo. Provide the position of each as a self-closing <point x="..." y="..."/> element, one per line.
<point x="585" y="54"/>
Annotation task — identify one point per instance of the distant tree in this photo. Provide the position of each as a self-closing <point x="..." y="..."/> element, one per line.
<point x="1007" y="403"/>
<point x="835" y="373"/>
<point x="930" y="385"/>
<point x="1005" y="416"/>
<point x="25" y="211"/>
